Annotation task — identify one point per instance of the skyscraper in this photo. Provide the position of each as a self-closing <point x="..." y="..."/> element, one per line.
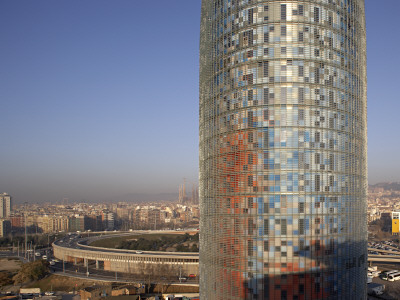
<point x="5" y="205"/>
<point x="283" y="160"/>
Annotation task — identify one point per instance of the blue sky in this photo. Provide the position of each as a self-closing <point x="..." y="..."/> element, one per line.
<point x="383" y="45"/>
<point x="100" y="98"/>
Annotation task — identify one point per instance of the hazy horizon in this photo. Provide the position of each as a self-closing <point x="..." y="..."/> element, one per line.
<point x="100" y="99"/>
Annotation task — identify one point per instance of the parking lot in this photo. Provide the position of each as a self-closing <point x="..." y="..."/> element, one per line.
<point x="383" y="245"/>
<point x="392" y="288"/>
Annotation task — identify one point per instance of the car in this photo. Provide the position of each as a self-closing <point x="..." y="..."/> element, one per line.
<point x="37" y="254"/>
<point x="49" y="293"/>
<point x="182" y="278"/>
<point x="192" y="276"/>
<point x="139" y="252"/>
<point x="44" y="257"/>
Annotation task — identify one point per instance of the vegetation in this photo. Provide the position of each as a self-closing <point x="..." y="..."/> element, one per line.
<point x="32" y="271"/>
<point x="112" y="242"/>
<point x="182" y="243"/>
<point x="183" y="248"/>
<point x="152" y="242"/>
<point x="5" y="278"/>
<point x="61" y="283"/>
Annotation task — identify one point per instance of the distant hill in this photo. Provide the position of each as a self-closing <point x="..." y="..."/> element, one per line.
<point x="395" y="186"/>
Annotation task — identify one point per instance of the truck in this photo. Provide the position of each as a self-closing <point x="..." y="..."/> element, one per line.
<point x="375" y="289"/>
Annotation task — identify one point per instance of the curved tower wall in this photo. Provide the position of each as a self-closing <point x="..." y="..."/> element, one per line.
<point x="283" y="161"/>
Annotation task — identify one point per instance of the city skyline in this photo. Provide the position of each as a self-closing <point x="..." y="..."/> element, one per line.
<point x="81" y="80"/>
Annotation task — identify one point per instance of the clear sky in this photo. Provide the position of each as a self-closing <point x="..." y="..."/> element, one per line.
<point x="99" y="98"/>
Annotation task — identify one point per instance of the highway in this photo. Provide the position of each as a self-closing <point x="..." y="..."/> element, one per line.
<point x="79" y="271"/>
<point x="76" y="271"/>
<point x="384" y="251"/>
<point x="74" y="242"/>
<point x="384" y="258"/>
<point x="74" y="249"/>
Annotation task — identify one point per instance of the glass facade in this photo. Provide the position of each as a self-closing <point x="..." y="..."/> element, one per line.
<point x="283" y="149"/>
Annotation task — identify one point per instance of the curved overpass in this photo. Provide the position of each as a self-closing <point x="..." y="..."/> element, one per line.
<point x="384" y="251"/>
<point x="150" y="262"/>
<point x="77" y="251"/>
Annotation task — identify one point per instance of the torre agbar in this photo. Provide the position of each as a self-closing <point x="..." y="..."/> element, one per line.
<point x="283" y="149"/>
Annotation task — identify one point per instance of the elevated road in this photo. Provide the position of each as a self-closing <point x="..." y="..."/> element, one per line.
<point x="384" y="251"/>
<point x="384" y="258"/>
<point x="78" y="251"/>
